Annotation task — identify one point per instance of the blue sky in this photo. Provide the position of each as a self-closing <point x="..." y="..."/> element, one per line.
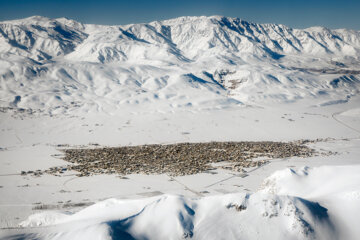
<point x="297" y="14"/>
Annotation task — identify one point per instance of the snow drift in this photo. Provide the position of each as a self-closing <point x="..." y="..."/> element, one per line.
<point x="292" y="204"/>
<point x="236" y="216"/>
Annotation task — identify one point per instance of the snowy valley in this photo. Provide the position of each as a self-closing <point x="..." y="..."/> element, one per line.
<point x="64" y="84"/>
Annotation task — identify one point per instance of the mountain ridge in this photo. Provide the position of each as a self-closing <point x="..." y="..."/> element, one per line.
<point x="202" y="61"/>
<point x="273" y="38"/>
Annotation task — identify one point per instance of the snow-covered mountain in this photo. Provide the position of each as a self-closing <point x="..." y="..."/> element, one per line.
<point x="54" y="65"/>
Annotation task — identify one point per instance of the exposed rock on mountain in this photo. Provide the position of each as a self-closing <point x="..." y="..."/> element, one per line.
<point x="54" y="64"/>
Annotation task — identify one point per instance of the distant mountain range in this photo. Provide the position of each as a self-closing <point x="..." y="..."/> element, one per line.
<point x="55" y="65"/>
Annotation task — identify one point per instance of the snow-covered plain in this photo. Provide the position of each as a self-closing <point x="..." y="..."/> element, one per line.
<point x="188" y="79"/>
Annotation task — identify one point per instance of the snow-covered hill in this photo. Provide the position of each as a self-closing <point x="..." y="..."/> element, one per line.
<point x="58" y="65"/>
<point x="266" y="214"/>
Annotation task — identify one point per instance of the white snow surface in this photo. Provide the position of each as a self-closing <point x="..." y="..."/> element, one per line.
<point x="60" y="65"/>
<point x="189" y="79"/>
<point x="278" y="211"/>
<point x="335" y="187"/>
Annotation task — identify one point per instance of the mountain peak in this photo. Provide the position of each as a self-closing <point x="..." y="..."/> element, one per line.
<point x="215" y="56"/>
<point x="38" y="20"/>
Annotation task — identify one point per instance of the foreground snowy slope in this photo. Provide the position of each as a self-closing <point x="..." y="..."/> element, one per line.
<point x="278" y="211"/>
<point x="58" y="65"/>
